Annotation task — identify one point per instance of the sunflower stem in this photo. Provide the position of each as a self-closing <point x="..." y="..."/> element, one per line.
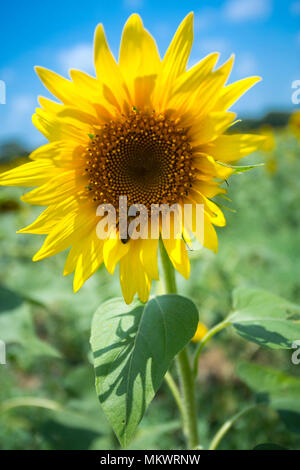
<point x="175" y="392"/>
<point x="185" y="371"/>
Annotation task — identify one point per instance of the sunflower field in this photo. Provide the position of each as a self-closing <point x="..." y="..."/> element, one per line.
<point x="47" y="391"/>
<point x="149" y="230"/>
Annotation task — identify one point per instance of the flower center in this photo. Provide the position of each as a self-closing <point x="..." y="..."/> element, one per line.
<point x="144" y="156"/>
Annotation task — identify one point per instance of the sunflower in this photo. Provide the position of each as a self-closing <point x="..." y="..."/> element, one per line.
<point x="269" y="143"/>
<point x="201" y="331"/>
<point x="145" y="128"/>
<point x="295" y="123"/>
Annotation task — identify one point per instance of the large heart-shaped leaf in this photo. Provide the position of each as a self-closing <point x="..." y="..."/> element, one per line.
<point x="265" y="319"/>
<point x="276" y="389"/>
<point x="133" y="347"/>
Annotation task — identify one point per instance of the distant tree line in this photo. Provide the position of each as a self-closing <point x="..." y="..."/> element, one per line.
<point x="274" y="119"/>
<point x="11" y="150"/>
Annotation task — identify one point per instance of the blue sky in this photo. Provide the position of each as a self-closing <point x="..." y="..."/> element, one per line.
<point x="263" y="34"/>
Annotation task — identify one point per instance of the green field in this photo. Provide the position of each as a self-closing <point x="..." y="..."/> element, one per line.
<point x="47" y="327"/>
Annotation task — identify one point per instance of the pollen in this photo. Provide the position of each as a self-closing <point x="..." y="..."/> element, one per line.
<point x="144" y="156"/>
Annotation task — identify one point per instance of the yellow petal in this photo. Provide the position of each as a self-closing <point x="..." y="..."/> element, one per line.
<point x="231" y="93"/>
<point x="107" y="70"/>
<point x="209" y="128"/>
<point x="177" y="253"/>
<point x="142" y="280"/>
<point x="139" y="59"/>
<point x="143" y="285"/>
<point x="213" y="212"/>
<point x="134" y="276"/>
<point x="49" y="105"/>
<point x="62" y="88"/>
<point x="72" y="258"/>
<point x="74" y="226"/>
<point x="63" y="154"/>
<point x="208" y="92"/>
<point x="191" y="80"/>
<point x="57" y="189"/>
<point x="208" y="189"/>
<point x="127" y="279"/>
<point x="148" y="256"/>
<point x="210" y="236"/>
<point x="85" y="84"/>
<point x="89" y="260"/>
<point x="43" y="224"/>
<point x="228" y="148"/>
<point x="77" y="116"/>
<point x="113" y="251"/>
<point x="50" y="217"/>
<point x="31" y="174"/>
<point x="55" y="128"/>
<point x="89" y="86"/>
<point x="206" y="165"/>
<point x="175" y="61"/>
<point x="203" y="228"/>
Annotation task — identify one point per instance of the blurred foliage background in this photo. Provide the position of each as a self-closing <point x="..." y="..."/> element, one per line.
<point x="47" y="327"/>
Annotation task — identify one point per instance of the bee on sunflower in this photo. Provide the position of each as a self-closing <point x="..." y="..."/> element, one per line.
<point x="145" y="128"/>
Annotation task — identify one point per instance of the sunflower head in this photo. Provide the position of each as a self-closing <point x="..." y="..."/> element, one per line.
<point x="269" y="144"/>
<point x="144" y="156"/>
<point x="144" y="128"/>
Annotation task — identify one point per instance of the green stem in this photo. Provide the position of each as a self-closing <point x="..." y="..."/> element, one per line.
<point x="220" y="326"/>
<point x="227" y="425"/>
<point x="29" y="401"/>
<point x="175" y="392"/>
<point x="168" y="270"/>
<point x="187" y="384"/>
<point x="186" y="377"/>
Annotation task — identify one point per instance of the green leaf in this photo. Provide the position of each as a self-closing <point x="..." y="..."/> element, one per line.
<point x="133" y="347"/>
<point x="269" y="446"/>
<point x="275" y="389"/>
<point x="242" y="168"/>
<point x="291" y="420"/>
<point x="16" y="325"/>
<point x="265" y="319"/>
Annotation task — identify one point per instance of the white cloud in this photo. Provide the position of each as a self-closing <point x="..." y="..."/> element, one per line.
<point x="22" y="106"/>
<point x="205" y="18"/>
<point x="7" y="74"/>
<point x="246" y="65"/>
<point x="208" y="45"/>
<point x="162" y="30"/>
<point x="18" y="111"/>
<point x="295" y="8"/>
<point x="133" y="3"/>
<point x="244" y="10"/>
<point x="78" y="57"/>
